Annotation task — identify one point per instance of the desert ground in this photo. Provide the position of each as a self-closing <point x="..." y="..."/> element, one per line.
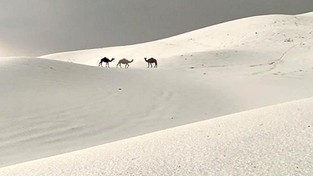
<point x="229" y="99"/>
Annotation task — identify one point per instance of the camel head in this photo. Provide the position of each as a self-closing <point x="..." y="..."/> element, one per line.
<point x="131" y="61"/>
<point x="112" y="59"/>
<point x="146" y="59"/>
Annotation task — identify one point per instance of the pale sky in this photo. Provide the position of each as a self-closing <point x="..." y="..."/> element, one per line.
<point x="37" y="27"/>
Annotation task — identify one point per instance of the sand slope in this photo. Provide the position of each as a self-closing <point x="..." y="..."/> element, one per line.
<point x="275" y="140"/>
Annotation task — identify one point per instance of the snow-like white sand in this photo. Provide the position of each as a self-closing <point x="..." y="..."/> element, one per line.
<point x="52" y="107"/>
<point x="275" y="140"/>
<point x="61" y="103"/>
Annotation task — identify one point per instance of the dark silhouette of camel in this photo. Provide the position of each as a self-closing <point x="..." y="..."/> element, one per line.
<point x="124" y="61"/>
<point x="106" y="60"/>
<point x="152" y="61"/>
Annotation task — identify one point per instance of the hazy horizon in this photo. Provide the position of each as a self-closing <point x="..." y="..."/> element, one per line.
<point x="35" y="28"/>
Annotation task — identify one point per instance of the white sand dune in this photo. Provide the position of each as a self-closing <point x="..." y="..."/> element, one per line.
<point x="255" y="41"/>
<point x="275" y="140"/>
<point x="50" y="107"/>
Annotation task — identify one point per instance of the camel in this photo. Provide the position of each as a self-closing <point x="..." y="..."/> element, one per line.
<point x="106" y="60"/>
<point x="124" y="61"/>
<point x="151" y="61"/>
